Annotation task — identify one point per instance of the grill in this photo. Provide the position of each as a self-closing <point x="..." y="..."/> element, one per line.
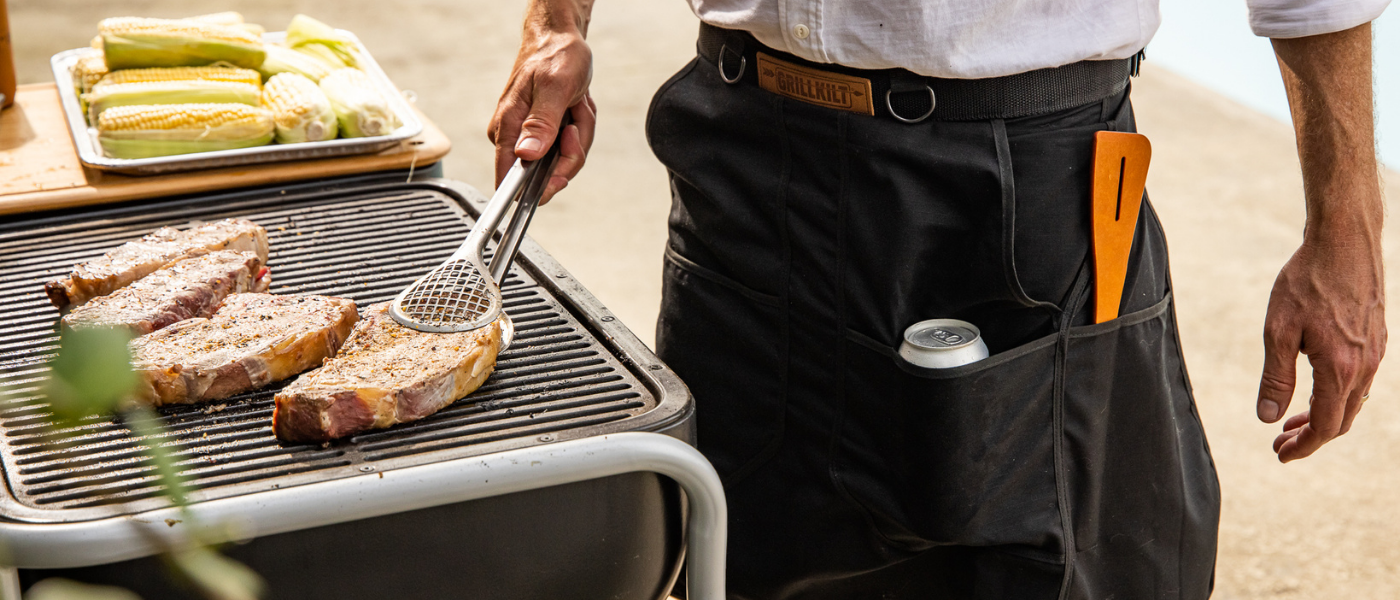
<point x="572" y="373"/>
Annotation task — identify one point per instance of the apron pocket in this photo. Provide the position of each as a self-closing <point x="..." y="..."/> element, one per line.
<point x="711" y="324"/>
<point x="1143" y="490"/>
<point x="964" y="456"/>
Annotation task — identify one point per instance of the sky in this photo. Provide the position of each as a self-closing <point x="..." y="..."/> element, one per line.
<point x="1210" y="41"/>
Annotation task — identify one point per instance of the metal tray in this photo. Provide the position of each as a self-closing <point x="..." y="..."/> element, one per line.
<point x="90" y="152"/>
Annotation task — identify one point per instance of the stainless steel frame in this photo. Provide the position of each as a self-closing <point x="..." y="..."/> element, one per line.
<point x="387" y="492"/>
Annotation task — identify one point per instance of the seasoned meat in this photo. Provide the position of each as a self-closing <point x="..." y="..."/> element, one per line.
<point x="385" y="374"/>
<point x="251" y="341"/>
<point x="187" y="288"/>
<point x="134" y="260"/>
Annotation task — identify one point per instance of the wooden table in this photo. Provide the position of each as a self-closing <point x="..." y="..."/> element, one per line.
<point x="39" y="167"/>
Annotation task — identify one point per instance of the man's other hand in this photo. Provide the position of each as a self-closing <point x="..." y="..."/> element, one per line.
<point x="1329" y="299"/>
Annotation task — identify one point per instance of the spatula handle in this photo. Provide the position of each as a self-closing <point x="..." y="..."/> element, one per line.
<point x="536" y="182"/>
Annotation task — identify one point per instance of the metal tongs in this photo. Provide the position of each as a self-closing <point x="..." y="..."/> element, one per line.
<point x="463" y="294"/>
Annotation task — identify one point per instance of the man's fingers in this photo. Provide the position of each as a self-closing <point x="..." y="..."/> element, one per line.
<point x="1332" y="385"/>
<point x="571" y="157"/>
<point x="1296" y="421"/>
<point x="1353" y="407"/>
<point x="1371" y="362"/>
<point x="1354" y="402"/>
<point x="576" y="140"/>
<point x="541" y="126"/>
<point x="585" y="114"/>
<point x="504" y="130"/>
<point x="1281" y="344"/>
<point x="1302" y="445"/>
<point x="1284" y="437"/>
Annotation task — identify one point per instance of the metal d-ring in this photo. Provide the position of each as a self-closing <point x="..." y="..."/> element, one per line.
<point x="743" y="64"/>
<point x="932" y="102"/>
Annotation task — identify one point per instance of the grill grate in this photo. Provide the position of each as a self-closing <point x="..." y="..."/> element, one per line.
<point x="558" y="379"/>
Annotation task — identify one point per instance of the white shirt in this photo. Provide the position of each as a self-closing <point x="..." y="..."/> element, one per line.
<point x="969" y="39"/>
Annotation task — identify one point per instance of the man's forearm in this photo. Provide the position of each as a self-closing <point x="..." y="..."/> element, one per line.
<point x="559" y="15"/>
<point x="1328" y="78"/>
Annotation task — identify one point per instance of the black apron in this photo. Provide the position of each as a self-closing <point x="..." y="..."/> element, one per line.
<point x="803" y="240"/>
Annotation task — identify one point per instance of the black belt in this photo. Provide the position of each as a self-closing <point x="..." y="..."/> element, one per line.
<point x="908" y="96"/>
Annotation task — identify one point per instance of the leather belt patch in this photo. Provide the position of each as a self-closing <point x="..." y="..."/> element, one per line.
<point x="832" y="90"/>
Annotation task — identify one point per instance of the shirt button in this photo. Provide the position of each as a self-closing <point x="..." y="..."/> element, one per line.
<point x="801" y="31"/>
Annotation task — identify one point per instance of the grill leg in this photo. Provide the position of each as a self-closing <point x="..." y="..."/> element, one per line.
<point x="9" y="583"/>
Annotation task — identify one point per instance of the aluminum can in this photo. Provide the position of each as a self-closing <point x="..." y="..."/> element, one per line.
<point x="942" y="343"/>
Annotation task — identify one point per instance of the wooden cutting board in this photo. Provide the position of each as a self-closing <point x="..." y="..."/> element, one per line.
<point x="39" y="168"/>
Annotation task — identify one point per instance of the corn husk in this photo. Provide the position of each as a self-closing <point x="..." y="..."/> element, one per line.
<point x="228" y="17"/>
<point x="133" y="42"/>
<point x="360" y="107"/>
<point x="281" y="59"/>
<point x="314" y="36"/>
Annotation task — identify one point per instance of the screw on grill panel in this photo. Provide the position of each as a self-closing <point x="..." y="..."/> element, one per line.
<point x="555" y="378"/>
<point x="545" y="438"/>
<point x="366" y="468"/>
<point x="655" y="367"/>
<point x="607" y="319"/>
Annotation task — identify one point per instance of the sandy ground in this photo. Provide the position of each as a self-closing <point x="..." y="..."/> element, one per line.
<point x="1224" y="179"/>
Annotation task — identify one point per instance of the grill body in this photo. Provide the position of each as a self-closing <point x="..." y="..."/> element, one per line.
<point x="573" y="372"/>
<point x="616" y="537"/>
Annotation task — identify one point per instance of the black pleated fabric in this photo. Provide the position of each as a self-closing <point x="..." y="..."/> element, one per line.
<point x="803" y="240"/>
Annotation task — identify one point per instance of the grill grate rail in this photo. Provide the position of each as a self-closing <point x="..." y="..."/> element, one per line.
<point x="556" y="377"/>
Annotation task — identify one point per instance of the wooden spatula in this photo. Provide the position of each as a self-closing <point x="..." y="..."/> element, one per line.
<point x="1120" y="176"/>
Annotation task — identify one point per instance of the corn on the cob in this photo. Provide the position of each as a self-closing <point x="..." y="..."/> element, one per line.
<point x="300" y="109"/>
<point x="194" y="91"/>
<point x="210" y="73"/>
<point x="231" y="19"/>
<point x="228" y="17"/>
<point x="131" y="42"/>
<point x="281" y="59"/>
<point x="323" y="54"/>
<point x="144" y="131"/>
<point x="89" y="70"/>
<point x="308" y="34"/>
<point x="360" y="108"/>
<point x="253" y="28"/>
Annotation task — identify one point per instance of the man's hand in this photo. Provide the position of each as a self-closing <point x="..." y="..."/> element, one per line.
<point x="1329" y="300"/>
<point x="551" y="75"/>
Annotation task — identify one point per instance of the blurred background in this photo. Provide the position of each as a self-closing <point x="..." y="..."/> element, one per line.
<point x="1224" y="180"/>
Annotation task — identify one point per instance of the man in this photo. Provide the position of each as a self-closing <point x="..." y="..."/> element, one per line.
<point x="842" y="170"/>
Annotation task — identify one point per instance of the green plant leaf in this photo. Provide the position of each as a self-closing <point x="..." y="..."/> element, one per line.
<point x="217" y="576"/>
<point x="145" y="424"/>
<point x="91" y="375"/>
<point x="55" y="588"/>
